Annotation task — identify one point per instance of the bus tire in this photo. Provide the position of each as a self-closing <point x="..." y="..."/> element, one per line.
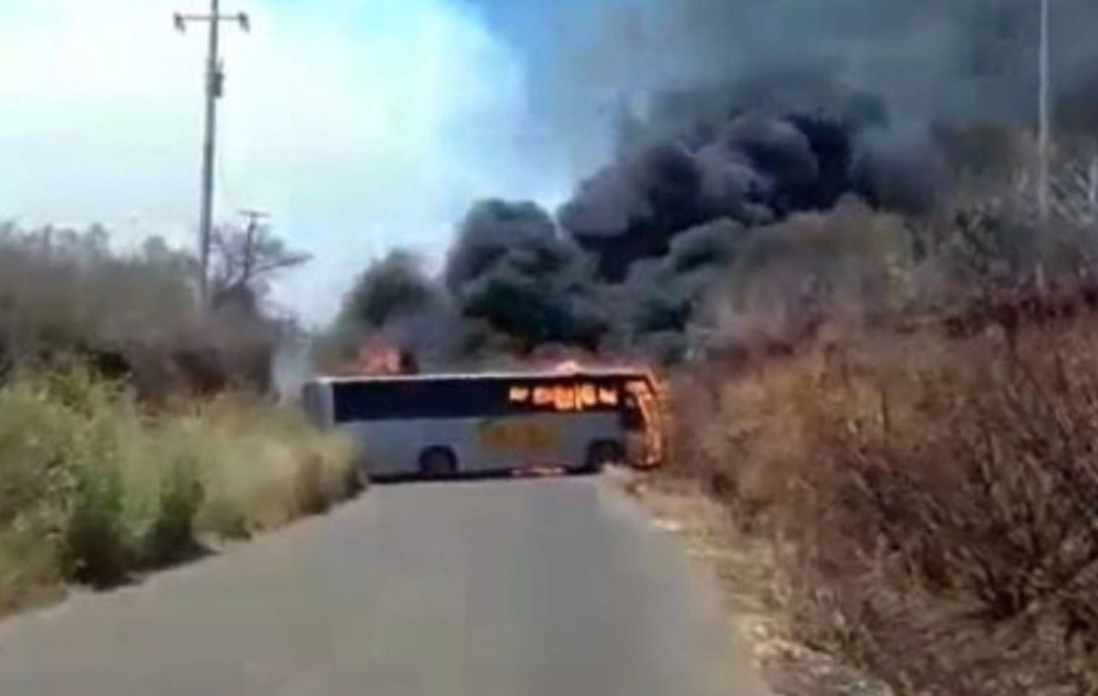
<point x="602" y="453"/>
<point x="437" y="461"/>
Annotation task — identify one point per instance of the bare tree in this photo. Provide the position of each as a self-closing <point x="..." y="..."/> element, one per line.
<point x="245" y="260"/>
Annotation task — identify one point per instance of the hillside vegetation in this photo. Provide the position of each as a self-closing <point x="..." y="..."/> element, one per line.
<point x="926" y="497"/>
<point x="135" y="432"/>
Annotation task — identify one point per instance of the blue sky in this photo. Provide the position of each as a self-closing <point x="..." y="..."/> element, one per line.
<point x="358" y="124"/>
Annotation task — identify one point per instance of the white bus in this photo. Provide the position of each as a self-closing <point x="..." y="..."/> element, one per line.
<point x="442" y="425"/>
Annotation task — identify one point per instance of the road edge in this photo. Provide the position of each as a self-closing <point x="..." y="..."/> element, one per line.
<point x="745" y="571"/>
<point x="688" y="533"/>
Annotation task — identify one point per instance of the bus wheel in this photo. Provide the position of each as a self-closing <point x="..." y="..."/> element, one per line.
<point x="437" y="461"/>
<point x="603" y="453"/>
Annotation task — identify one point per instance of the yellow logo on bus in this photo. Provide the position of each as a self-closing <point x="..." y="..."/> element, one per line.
<point x="530" y="438"/>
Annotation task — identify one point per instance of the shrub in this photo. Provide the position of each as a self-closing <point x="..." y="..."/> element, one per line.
<point x="262" y="465"/>
<point x="172" y="536"/>
<point x="930" y="501"/>
<point x="93" y="488"/>
<point x="96" y="549"/>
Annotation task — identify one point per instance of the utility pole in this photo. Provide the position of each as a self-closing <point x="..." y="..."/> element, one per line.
<point x="254" y="217"/>
<point x="1044" y="140"/>
<point x="215" y="77"/>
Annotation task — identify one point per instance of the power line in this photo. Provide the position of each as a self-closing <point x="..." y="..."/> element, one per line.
<point x="214" y="90"/>
<point x="226" y="192"/>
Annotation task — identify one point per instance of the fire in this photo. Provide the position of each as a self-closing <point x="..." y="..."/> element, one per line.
<point x="648" y="391"/>
<point x="651" y="400"/>
<point x="376" y="357"/>
<point x="570" y="367"/>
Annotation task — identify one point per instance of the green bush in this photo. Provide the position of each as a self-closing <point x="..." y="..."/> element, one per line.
<point x="93" y="488"/>
<point x="172" y="536"/>
<point x="96" y="549"/>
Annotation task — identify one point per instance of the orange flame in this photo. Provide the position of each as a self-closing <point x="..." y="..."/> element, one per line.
<point x="376" y="357"/>
<point x="649" y="392"/>
<point x="568" y="367"/>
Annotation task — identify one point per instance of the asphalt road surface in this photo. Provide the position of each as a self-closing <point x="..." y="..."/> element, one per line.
<point x="506" y="588"/>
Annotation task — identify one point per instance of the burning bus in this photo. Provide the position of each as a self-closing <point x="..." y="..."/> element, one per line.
<point x="574" y="419"/>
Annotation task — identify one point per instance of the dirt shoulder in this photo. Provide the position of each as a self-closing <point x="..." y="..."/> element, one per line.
<point x="745" y="568"/>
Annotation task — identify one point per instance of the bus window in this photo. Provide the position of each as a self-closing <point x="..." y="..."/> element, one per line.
<point x="412" y="398"/>
<point x="406" y="398"/>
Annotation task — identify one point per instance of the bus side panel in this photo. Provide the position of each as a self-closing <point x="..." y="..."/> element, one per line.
<point x="484" y="445"/>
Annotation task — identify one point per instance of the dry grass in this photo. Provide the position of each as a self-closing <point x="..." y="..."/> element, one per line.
<point x="100" y="479"/>
<point x="929" y="503"/>
<point x="94" y="488"/>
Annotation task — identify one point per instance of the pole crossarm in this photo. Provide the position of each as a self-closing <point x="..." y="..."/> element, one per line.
<point x="183" y="19"/>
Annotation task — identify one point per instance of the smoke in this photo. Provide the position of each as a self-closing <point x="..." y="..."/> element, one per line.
<point x="662" y="295"/>
<point x="512" y="268"/>
<point x="739" y="152"/>
<point x="395" y="288"/>
<point x="932" y="60"/>
<point x="398" y="299"/>
<point x="765" y="150"/>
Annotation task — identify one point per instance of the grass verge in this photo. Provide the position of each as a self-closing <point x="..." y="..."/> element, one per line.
<point x="94" y="488"/>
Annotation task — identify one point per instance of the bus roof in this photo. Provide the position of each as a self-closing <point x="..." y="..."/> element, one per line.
<point x="515" y="374"/>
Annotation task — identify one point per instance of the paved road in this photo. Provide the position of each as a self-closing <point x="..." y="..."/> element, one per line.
<point x="507" y="588"/>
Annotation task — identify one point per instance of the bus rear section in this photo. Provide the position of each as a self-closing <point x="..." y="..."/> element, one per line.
<point x="468" y="425"/>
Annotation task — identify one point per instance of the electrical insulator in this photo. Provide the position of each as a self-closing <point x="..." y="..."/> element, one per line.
<point x="219" y="83"/>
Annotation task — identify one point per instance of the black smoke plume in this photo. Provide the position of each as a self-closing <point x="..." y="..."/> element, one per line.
<point x="512" y="268"/>
<point x="398" y="300"/>
<point x="737" y="156"/>
<point x="950" y="60"/>
<point x="740" y="123"/>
